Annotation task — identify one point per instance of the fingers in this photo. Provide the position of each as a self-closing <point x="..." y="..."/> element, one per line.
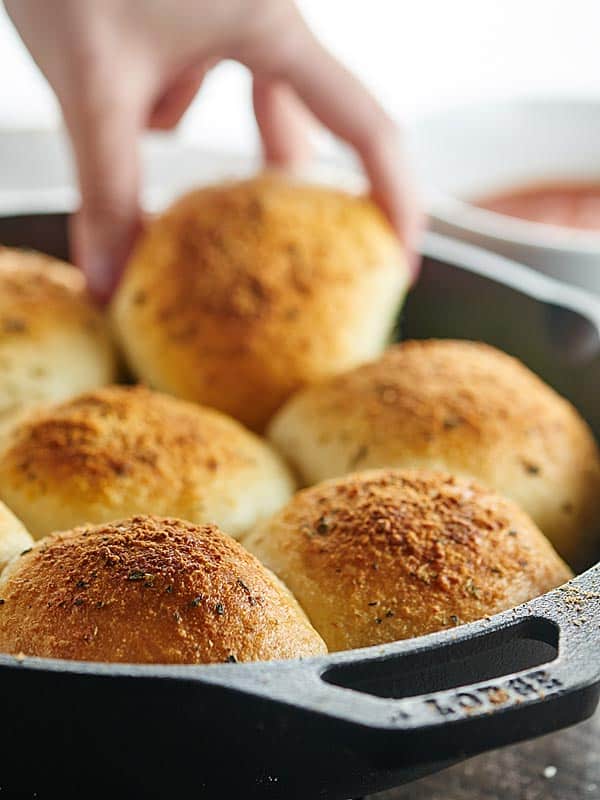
<point x="343" y="104"/>
<point x="392" y="188"/>
<point x="175" y="101"/>
<point x="105" y="130"/>
<point x="283" y="122"/>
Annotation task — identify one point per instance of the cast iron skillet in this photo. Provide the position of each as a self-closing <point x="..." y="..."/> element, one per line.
<point x="349" y="723"/>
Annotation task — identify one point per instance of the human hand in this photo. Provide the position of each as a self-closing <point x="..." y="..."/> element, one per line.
<point x="119" y="66"/>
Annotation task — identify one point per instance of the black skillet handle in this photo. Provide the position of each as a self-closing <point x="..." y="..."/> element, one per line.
<point x="515" y="676"/>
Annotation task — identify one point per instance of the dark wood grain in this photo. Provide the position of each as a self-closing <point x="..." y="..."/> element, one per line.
<point x="520" y="772"/>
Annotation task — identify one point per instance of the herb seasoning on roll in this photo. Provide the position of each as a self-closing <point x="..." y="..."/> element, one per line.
<point x="241" y="293"/>
<point x="391" y="554"/>
<point x="463" y="407"/>
<point x="149" y="590"/>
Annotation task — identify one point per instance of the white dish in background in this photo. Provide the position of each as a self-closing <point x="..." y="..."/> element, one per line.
<point x="37" y="175"/>
<point x="476" y="150"/>
<point x="462" y="153"/>
<point x="36" y="170"/>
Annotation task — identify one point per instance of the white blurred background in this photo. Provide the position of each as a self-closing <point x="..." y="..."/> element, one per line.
<point x="416" y="56"/>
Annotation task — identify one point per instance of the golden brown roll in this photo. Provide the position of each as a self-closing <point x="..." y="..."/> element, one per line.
<point x="463" y="407"/>
<point x="53" y="341"/>
<point x="389" y="554"/>
<point x="149" y="590"/>
<point x="121" y="450"/>
<point x="265" y="285"/>
<point x="13" y="536"/>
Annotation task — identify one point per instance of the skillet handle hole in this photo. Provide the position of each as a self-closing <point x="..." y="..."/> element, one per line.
<point x="525" y="645"/>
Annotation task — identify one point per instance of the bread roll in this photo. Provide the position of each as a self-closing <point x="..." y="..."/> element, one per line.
<point x="459" y="406"/>
<point x="265" y="285"/>
<point x="149" y="590"/>
<point x="389" y="554"/>
<point x="120" y="450"/>
<point x="53" y="341"/>
<point x="13" y="536"/>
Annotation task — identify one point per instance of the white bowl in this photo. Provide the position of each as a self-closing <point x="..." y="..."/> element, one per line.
<point x="477" y="150"/>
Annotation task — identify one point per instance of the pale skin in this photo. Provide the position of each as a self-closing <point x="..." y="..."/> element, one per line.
<point x="120" y="66"/>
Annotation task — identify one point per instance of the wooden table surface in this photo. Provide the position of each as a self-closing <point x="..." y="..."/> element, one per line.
<point x="560" y="766"/>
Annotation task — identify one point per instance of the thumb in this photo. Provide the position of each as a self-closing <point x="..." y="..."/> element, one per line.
<point x="105" y="139"/>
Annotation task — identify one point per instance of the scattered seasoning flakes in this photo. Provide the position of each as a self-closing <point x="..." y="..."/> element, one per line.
<point x="28" y="550"/>
<point x="13" y="325"/>
<point x="452" y="422"/>
<point x="471" y="588"/>
<point x="322" y="525"/>
<point x="196" y="601"/>
<point x="531" y="468"/>
<point x="378" y="620"/>
<point x="2" y="601"/>
<point x="82" y="585"/>
<point x="389" y="613"/>
<point x="136" y="575"/>
<point x="454" y="619"/>
<point x="231" y="659"/>
<point x="177" y="616"/>
<point x="373" y="602"/>
<point x="251" y="600"/>
<point x="513" y="532"/>
<point x="169" y="589"/>
<point x="220" y="609"/>
<point x="78" y="601"/>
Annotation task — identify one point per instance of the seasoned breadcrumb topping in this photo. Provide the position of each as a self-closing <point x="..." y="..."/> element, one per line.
<point x="148" y="589"/>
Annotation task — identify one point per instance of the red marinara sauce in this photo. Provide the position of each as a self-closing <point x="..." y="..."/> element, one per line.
<point x="568" y="204"/>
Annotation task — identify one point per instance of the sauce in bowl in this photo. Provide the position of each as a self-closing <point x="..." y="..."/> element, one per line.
<point x="570" y="205"/>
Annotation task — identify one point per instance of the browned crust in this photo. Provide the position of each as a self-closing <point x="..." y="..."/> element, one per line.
<point x="148" y="589"/>
<point x="391" y="554"/>
<point x="463" y="406"/>
<point x="125" y="449"/>
<point x="38" y="292"/>
<point x="121" y="432"/>
<point x="261" y="282"/>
